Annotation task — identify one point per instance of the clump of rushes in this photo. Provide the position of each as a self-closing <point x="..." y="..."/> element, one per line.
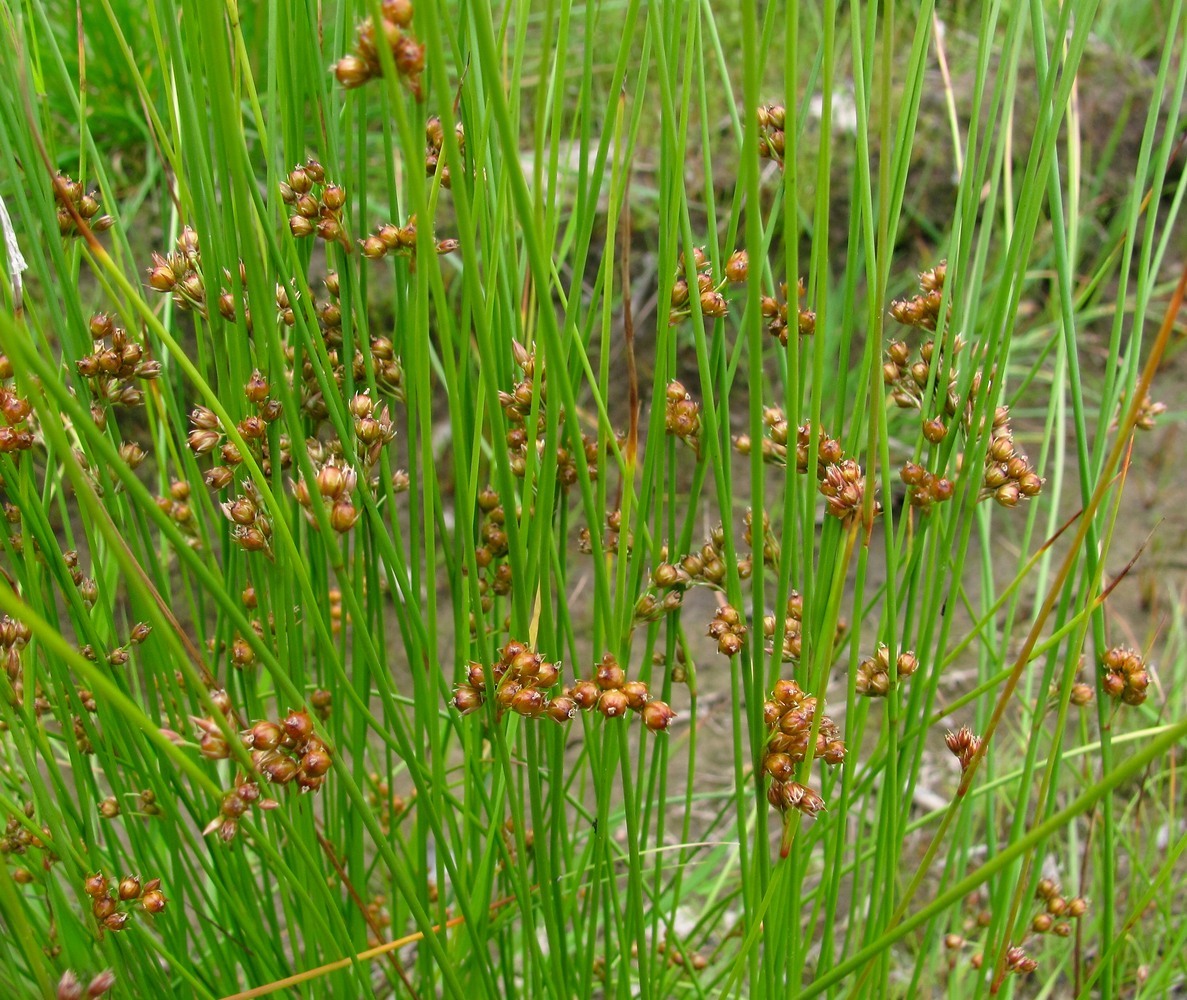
<point x="112" y="903"/>
<point x="435" y="138"/>
<point x="70" y="988"/>
<point x="964" y="746"/>
<point x="771" y="121"/>
<point x="357" y="68"/>
<point x="873" y="673"/>
<point x="682" y="415"/>
<point x="789" y="715"/>
<point x="1126" y="677"/>
<point x="728" y="630"/>
<point x="236" y="803"/>
<point x="69" y="194"/>
<point x="317" y="204"/>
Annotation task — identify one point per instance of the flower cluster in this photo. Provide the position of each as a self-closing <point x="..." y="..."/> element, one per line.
<point x="964" y="746"/>
<point x="1126" y="677"/>
<point x="708" y="565"/>
<point x="775" y="443"/>
<point x="708" y="290"/>
<point x="69" y="987"/>
<point x="843" y="488"/>
<point x="111" y="368"/>
<point x="789" y="715"/>
<point x="112" y="903"/>
<point x="70" y="194"/>
<point x="728" y="629"/>
<point x="924" y="488"/>
<point x="399" y="240"/>
<point x="288" y="751"/>
<point x="317" y="205"/>
<point x="771" y="120"/>
<point x="517" y="407"/>
<point x="520" y="681"/>
<point x="775" y="312"/>
<point x="179" y="273"/>
<point x="792" y="628"/>
<point x="435" y="138"/>
<point x="234" y="805"/>
<point x="682" y="415"/>
<point x="769" y="540"/>
<point x="1008" y="477"/>
<point x="873" y="673"/>
<point x="907" y="381"/>
<point x="19" y="837"/>
<point x="613" y="695"/>
<point x="923" y="310"/>
<point x="15" y="435"/>
<point x="357" y="68"/>
<point x="1057" y="910"/>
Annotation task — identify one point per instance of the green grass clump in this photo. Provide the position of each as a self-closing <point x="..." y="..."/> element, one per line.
<point x="591" y="500"/>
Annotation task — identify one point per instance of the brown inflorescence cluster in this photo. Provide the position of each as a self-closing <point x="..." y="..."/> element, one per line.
<point x="523" y="682"/>
<point x="113" y="368"/>
<point x="70" y="988"/>
<point x="435" y="140"/>
<point x="316" y="203"/>
<point x="924" y="488"/>
<point x="789" y="714"/>
<point x="776" y="435"/>
<point x="400" y="241"/>
<point x="792" y="628"/>
<point x="776" y="309"/>
<point x="923" y="310"/>
<point x="728" y="630"/>
<point x="19" y="838"/>
<point x="408" y="55"/>
<point x="873" y="673"/>
<point x="69" y="194"/>
<point x="682" y="415"/>
<point x="1126" y="677"/>
<point x="964" y="745"/>
<point x="112" y="903"/>
<point x="713" y="303"/>
<point x="16" y="434"/>
<point x="1009" y="477"/>
<point x="771" y="121"/>
<point x="517" y="408"/>
<point x="235" y="805"/>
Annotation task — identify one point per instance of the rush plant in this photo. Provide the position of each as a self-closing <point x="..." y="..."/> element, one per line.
<point x="588" y="500"/>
